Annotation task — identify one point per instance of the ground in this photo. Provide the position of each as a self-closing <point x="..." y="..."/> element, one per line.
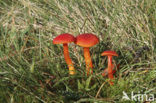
<point x="33" y="69"/>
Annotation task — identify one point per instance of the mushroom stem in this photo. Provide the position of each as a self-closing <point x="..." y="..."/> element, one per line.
<point x="105" y="72"/>
<point x="110" y="65"/>
<point x="110" y="69"/>
<point x="89" y="65"/>
<point x="68" y="60"/>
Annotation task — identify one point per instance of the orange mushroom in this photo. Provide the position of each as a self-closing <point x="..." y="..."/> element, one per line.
<point x="87" y="40"/>
<point x="110" y="65"/>
<point x="65" y="39"/>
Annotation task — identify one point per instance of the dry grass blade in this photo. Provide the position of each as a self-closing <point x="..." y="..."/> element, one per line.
<point x="98" y="92"/>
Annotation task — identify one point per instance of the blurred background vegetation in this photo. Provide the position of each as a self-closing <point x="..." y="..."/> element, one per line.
<point x="33" y="70"/>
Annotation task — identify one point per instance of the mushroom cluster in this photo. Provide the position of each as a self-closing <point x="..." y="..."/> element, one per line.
<point x="86" y="41"/>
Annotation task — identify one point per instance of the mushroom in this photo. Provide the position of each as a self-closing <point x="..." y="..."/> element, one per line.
<point x="110" y="65"/>
<point x="65" y="39"/>
<point x="87" y="40"/>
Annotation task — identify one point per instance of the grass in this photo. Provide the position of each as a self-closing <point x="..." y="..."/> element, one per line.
<point x="33" y="70"/>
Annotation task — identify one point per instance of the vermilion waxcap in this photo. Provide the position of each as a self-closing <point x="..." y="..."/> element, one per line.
<point x="111" y="53"/>
<point x="86" y="40"/>
<point x="64" y="38"/>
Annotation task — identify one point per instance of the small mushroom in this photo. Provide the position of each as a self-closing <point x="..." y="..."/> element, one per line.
<point x="87" y="40"/>
<point x="110" y="65"/>
<point x="65" y="39"/>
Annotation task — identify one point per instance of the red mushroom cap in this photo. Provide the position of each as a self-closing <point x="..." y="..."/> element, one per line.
<point x="110" y="53"/>
<point x="64" y="38"/>
<point x="86" y="40"/>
